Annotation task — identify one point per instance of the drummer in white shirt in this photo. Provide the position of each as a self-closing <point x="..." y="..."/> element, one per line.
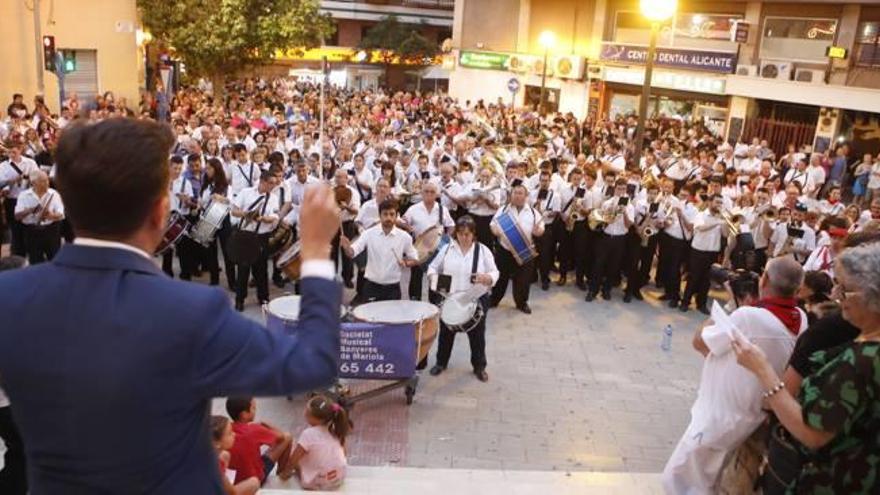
<point x="40" y="210"/>
<point x="417" y="220"/>
<point x="532" y="225"/>
<point x="464" y="265"/>
<point x="389" y="249"/>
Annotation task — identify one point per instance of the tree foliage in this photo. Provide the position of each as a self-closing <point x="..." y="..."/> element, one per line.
<point x="216" y="38"/>
<point x="394" y="39"/>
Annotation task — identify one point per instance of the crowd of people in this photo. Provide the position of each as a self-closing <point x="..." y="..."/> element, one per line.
<point x="438" y="196"/>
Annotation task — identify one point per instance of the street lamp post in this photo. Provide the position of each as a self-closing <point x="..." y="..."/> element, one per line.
<point x="655" y="11"/>
<point x="547" y="39"/>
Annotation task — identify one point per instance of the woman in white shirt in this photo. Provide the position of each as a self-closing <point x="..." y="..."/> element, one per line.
<point x="464" y="267"/>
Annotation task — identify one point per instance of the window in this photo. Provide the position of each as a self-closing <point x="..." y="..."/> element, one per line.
<point x="867" y="49"/>
<point x="797" y="39"/>
<point x="333" y="39"/>
<point x="685" y="30"/>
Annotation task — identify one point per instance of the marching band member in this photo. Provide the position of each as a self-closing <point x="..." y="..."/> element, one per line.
<point x="389" y="249"/>
<point x="547" y="202"/>
<point x="363" y="179"/>
<point x="451" y="192"/>
<point x="182" y="201"/>
<point x="467" y="263"/>
<point x="215" y="188"/>
<point x="348" y="210"/>
<point x="573" y="228"/>
<point x="705" y="247"/>
<point x="40" y="210"/>
<point x="619" y="214"/>
<point x="244" y="173"/>
<point x="795" y="237"/>
<point x="674" y="241"/>
<point x="14" y="174"/>
<point x="532" y="225"/>
<point x="298" y="183"/>
<point x="417" y="220"/>
<point x="257" y="209"/>
<point x="644" y="247"/>
<point x="484" y="196"/>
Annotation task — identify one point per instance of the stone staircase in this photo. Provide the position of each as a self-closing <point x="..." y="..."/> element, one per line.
<point x="364" y="480"/>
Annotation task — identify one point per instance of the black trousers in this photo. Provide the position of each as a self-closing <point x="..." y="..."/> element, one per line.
<point x="42" y="242"/>
<point x="547" y="245"/>
<point x="259" y="269"/>
<point x="760" y="259"/>
<point x="212" y="264"/>
<point x="476" y="339"/>
<point x="673" y="253"/>
<point x="350" y="230"/>
<point x="17" y="243"/>
<point x="484" y="230"/>
<point x="416" y="275"/>
<point x="13" y="477"/>
<point x="521" y="275"/>
<point x="381" y="292"/>
<point x="699" y="263"/>
<point x="187" y="251"/>
<point x="646" y="259"/>
<point x="609" y="258"/>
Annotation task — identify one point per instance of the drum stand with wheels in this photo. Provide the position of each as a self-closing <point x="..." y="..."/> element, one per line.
<point x="342" y="395"/>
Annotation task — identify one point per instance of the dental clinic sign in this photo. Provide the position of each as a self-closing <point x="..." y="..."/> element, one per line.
<point x="721" y="62"/>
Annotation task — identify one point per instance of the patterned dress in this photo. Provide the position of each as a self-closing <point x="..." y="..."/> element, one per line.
<point x="842" y="394"/>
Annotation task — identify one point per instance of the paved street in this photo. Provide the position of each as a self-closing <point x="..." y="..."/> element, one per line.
<point x="575" y="386"/>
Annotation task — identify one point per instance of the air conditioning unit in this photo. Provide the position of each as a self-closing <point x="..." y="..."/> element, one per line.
<point x="812" y="76"/>
<point x="569" y="67"/>
<point x="747" y="70"/>
<point x="776" y="70"/>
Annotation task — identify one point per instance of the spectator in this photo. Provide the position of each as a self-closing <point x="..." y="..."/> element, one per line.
<point x="319" y="457"/>
<point x="223" y="438"/>
<point x="250" y="437"/>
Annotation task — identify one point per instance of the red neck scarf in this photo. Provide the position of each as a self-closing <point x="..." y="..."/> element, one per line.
<point x="785" y="310"/>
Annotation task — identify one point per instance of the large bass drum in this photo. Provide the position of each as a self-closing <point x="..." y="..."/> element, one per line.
<point x="424" y="317"/>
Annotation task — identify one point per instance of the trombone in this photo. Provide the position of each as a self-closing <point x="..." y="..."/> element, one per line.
<point x="732" y="222"/>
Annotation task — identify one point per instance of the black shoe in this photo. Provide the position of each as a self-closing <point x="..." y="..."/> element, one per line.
<point x="493" y="303"/>
<point x="703" y="309"/>
<point x="638" y="295"/>
<point x="581" y="285"/>
<point x="673" y="303"/>
<point x="239" y="306"/>
<point x="349" y="284"/>
<point x="683" y="307"/>
<point x="525" y="308"/>
<point x="437" y="369"/>
<point x="590" y="296"/>
<point x="481" y="375"/>
<point x="545" y="285"/>
<point x="279" y="282"/>
<point x="561" y="280"/>
<point x="627" y="298"/>
<point x="606" y="295"/>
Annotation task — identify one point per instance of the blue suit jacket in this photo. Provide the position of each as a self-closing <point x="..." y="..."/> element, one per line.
<point x="111" y="365"/>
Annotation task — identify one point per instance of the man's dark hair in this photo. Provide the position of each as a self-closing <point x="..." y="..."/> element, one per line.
<point x="237" y="405"/>
<point x="266" y="176"/>
<point x="388" y="204"/>
<point x="177" y="159"/>
<point x="193" y="158"/>
<point x="112" y="173"/>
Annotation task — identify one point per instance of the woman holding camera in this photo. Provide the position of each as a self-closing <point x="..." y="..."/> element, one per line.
<point x="835" y="417"/>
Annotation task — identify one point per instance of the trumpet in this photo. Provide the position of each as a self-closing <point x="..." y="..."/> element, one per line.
<point x="732" y="222"/>
<point x="770" y="215"/>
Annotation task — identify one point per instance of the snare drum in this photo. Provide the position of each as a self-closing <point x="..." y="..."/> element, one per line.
<point x="514" y="239"/>
<point x="177" y="227"/>
<point x="212" y="219"/>
<point x="460" y="314"/>
<point x="290" y="262"/>
<point x="424" y="317"/>
<point x="429" y="243"/>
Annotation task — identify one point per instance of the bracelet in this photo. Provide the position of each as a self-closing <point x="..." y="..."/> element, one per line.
<point x="773" y="391"/>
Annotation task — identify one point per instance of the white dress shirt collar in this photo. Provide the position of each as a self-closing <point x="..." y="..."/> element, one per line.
<point x="103" y="243"/>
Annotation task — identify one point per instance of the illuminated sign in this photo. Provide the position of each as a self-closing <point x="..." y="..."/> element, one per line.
<point x="484" y="60"/>
<point x="668" y="80"/>
<point x="836" y="52"/>
<point x="344" y="54"/>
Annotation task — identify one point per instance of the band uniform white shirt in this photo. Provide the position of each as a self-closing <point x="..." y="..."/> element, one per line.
<point x="384" y="251"/>
<point x="550" y="207"/>
<point x="420" y="219"/>
<point x="447" y="189"/>
<point x="459" y="265"/>
<point x="267" y="207"/>
<point x="50" y="201"/>
<point x="675" y="228"/>
<point x="353" y="203"/>
<point x="708" y="239"/>
<point x="8" y="172"/>
<point x="298" y="189"/>
<point x="618" y="226"/>
<point x="480" y="208"/>
<point x="368" y="214"/>
<point x="243" y="176"/>
<point x="180" y="185"/>
<point x="526" y="217"/>
<point x="780" y="234"/>
<point x="616" y="162"/>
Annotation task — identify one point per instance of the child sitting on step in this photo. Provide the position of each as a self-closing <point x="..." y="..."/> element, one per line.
<point x="223" y="438"/>
<point x="319" y="456"/>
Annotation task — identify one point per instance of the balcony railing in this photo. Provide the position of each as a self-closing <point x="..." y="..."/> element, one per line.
<point x="421" y="4"/>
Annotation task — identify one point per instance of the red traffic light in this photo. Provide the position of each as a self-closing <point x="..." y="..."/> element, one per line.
<point x="49" y="41"/>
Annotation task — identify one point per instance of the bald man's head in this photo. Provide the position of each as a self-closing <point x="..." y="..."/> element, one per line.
<point x="782" y="277"/>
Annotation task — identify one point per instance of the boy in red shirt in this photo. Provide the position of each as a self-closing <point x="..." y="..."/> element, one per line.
<point x="245" y="456"/>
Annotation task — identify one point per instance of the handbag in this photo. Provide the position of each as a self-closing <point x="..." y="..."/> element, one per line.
<point x="244" y="246"/>
<point x="784" y="462"/>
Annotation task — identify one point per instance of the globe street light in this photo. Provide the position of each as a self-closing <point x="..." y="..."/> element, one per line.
<point x="656" y="11"/>
<point x="547" y="40"/>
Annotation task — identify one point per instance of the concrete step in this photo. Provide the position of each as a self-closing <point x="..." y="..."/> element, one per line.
<point x="423" y="481"/>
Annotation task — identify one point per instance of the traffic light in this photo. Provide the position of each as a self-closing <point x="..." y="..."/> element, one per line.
<point x="69" y="58"/>
<point x="49" y="53"/>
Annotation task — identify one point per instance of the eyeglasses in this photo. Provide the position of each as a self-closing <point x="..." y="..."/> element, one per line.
<point x="839" y="293"/>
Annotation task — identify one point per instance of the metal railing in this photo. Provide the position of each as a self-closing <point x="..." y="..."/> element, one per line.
<point x="422" y="4"/>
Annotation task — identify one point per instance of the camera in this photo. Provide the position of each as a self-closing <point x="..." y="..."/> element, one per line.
<point x="742" y="283"/>
<point x="795" y="232"/>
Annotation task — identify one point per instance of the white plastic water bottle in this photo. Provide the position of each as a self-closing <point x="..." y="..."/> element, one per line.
<point x="666" y="343"/>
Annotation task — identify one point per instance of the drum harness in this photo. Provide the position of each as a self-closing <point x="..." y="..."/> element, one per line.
<point x="474" y="265"/>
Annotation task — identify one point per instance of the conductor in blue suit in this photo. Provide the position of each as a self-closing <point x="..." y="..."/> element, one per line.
<point x="109" y="364"/>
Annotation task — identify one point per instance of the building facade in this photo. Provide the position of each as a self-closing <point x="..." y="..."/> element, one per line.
<point x="810" y="70"/>
<point x="99" y="34"/>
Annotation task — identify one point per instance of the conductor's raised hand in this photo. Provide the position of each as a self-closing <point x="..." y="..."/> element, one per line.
<point x="318" y="222"/>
